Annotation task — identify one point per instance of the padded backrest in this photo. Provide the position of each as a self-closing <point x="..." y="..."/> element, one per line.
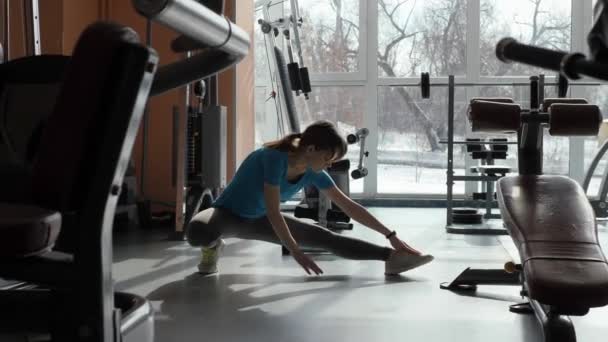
<point x="28" y="90"/>
<point x="65" y="166"/>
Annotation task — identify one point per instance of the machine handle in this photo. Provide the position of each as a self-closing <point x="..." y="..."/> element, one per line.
<point x="573" y="65"/>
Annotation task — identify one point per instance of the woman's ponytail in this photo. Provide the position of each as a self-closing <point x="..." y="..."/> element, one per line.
<point x="323" y="135"/>
<point x="286" y="144"/>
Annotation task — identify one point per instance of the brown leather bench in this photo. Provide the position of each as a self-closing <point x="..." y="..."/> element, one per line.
<point x="553" y="226"/>
<point x="563" y="270"/>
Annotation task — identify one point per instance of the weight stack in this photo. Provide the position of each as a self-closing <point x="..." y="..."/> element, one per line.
<point x="213" y="140"/>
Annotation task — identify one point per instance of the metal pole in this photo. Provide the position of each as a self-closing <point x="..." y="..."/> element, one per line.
<point x="146" y="125"/>
<point x="32" y="27"/>
<point x="541" y="90"/>
<point x="7" y="28"/>
<point x="295" y="17"/>
<point x="450" y="172"/>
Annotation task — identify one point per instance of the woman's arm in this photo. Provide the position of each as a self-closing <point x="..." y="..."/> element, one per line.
<point x="361" y="215"/>
<point x="272" y="200"/>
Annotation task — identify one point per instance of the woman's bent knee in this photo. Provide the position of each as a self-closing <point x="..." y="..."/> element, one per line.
<point x="201" y="231"/>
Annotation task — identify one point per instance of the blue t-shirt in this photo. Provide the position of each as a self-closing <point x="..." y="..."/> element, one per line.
<point x="244" y="195"/>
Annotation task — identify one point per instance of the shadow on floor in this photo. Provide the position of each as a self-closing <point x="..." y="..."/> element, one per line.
<point x="197" y="307"/>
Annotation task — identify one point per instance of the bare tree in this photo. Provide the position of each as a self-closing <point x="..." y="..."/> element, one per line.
<point x="543" y="27"/>
<point x="432" y="39"/>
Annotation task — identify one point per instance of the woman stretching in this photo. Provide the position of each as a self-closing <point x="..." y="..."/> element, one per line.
<point x="249" y="208"/>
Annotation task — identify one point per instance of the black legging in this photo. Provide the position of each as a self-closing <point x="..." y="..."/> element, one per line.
<point x="213" y="223"/>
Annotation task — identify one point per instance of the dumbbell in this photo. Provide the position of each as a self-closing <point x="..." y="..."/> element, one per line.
<point x="359" y="136"/>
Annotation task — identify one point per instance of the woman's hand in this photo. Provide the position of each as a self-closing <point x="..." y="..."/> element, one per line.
<point x="398" y="244"/>
<point x="306" y="262"/>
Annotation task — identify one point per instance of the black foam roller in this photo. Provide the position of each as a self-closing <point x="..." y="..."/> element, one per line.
<point x="305" y="79"/>
<point x="294" y="76"/>
<point x="425" y="85"/>
<point x="294" y="121"/>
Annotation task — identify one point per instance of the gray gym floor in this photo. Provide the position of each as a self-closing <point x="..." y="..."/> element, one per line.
<point x="259" y="295"/>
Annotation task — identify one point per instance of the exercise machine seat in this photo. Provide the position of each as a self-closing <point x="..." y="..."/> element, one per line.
<point x="27" y="230"/>
<point x="553" y="226"/>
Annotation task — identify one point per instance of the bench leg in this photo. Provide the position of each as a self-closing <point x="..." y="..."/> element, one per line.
<point x="556" y="328"/>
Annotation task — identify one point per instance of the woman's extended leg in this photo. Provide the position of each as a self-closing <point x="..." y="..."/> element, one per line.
<point x="211" y="224"/>
<point x="207" y="227"/>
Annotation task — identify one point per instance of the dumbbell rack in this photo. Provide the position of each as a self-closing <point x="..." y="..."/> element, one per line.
<point x="425" y="87"/>
<point x="492" y="225"/>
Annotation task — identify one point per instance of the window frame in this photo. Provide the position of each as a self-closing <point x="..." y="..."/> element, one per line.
<point x="367" y="76"/>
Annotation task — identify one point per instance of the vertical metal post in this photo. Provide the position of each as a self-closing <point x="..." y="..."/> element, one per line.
<point x="7" y="30"/>
<point x="174" y="145"/>
<point x="32" y="27"/>
<point x="541" y="90"/>
<point x="214" y="97"/>
<point x="450" y="171"/>
<point x="530" y="136"/>
<point x="180" y="208"/>
<point x="146" y="125"/>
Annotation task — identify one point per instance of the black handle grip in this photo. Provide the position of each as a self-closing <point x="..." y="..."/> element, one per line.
<point x="508" y="50"/>
<point x="573" y="65"/>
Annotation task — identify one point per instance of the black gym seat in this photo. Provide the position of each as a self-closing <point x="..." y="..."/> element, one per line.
<point x="75" y="180"/>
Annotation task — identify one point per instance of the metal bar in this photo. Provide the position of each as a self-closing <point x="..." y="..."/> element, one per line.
<point x="603" y="191"/>
<point x="7" y="30"/>
<point x="489" y="84"/>
<point x="541" y="89"/>
<point x="174" y="144"/>
<point x="594" y="163"/>
<point x="530" y="157"/>
<point x="295" y="16"/>
<point x="475" y="178"/>
<point x="362" y="151"/>
<point x="199" y="66"/>
<point x="489" y="198"/>
<point x="146" y="126"/>
<point x="32" y="27"/>
<point x="450" y="171"/>
<point x="462" y="142"/>
<point x="198" y="22"/>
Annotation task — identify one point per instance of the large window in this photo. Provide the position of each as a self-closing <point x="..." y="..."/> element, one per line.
<point x="330" y="35"/>
<point x="545" y="23"/>
<point x="421" y="36"/>
<point x="598" y="95"/>
<point x="341" y="105"/>
<point x="365" y="59"/>
<point x="411" y="157"/>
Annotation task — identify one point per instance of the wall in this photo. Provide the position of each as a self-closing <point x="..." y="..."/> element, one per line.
<point x="237" y="90"/>
<point x="158" y="170"/>
<point x="244" y="92"/>
<point x="61" y="23"/>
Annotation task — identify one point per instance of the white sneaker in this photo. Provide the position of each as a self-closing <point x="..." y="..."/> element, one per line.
<point x="209" y="258"/>
<point x="401" y="261"/>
